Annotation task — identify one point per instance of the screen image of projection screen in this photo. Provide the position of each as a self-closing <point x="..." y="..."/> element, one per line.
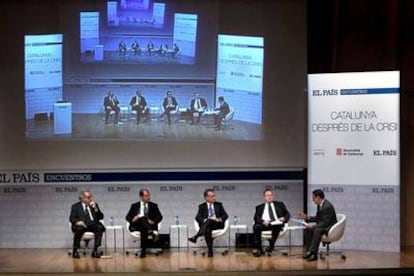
<point x="107" y="102"/>
<point x="77" y="99"/>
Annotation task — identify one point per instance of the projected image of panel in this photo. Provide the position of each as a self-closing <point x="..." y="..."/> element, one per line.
<point x="109" y="98"/>
<point x="138" y="32"/>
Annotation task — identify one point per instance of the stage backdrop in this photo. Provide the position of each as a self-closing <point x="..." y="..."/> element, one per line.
<point x="354" y="154"/>
<point x="35" y="205"/>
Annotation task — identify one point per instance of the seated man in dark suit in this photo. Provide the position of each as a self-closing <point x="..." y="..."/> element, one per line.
<point x="210" y="216"/>
<point x="85" y="216"/>
<point x="122" y="48"/>
<point x="150" y="47"/>
<point x="111" y="103"/>
<point x="169" y="104"/>
<point x="270" y="215"/>
<point x="144" y="217"/>
<point x="223" y="110"/>
<point x="139" y="104"/>
<point x="197" y="106"/>
<point x="135" y="47"/>
<point x="176" y="51"/>
<point x="325" y="218"/>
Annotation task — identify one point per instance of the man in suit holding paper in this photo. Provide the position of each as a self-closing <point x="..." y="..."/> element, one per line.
<point x="222" y="110"/>
<point x="197" y="106"/>
<point x="85" y="216"/>
<point x="270" y="215"/>
<point x="210" y="216"/>
<point x="325" y="218"/>
<point x="144" y="217"/>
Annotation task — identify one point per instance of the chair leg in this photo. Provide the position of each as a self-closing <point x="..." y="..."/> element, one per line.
<point x="86" y="247"/>
<point x="324" y="254"/>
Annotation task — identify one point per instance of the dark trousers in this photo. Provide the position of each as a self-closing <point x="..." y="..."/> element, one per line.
<point x="313" y="238"/>
<point x="168" y="113"/>
<point x="257" y="234"/>
<point x="141" y="111"/>
<point x="198" y="117"/>
<point x="108" y="112"/>
<point x="206" y="230"/>
<point x="218" y="118"/>
<point x="96" y="228"/>
<point x="144" y="227"/>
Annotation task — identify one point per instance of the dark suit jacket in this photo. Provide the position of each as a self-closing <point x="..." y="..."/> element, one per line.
<point x="203" y="103"/>
<point x="280" y="209"/>
<point x="77" y="213"/>
<point x="108" y="102"/>
<point x="202" y="213"/>
<point x="326" y="217"/>
<point x="224" y="109"/>
<point x="142" y="102"/>
<point x="154" y="213"/>
<point x="165" y="102"/>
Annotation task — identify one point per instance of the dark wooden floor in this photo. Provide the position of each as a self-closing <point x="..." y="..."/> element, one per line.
<point x="57" y="261"/>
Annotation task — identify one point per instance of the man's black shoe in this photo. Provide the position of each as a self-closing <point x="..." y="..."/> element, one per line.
<point x="312" y="257"/>
<point x="305" y="256"/>
<point x="257" y="253"/>
<point x="143" y="254"/>
<point x="75" y="255"/>
<point x="193" y="239"/>
<point x="210" y="253"/>
<point x="96" y="254"/>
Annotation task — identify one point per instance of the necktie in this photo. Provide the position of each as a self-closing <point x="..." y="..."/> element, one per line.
<point x="88" y="215"/>
<point x="197" y="107"/>
<point x="318" y="208"/>
<point x="145" y="210"/>
<point x="137" y="100"/>
<point x="210" y="210"/>
<point x="112" y="101"/>
<point x="271" y="215"/>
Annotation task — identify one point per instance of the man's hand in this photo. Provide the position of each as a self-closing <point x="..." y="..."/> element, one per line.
<point x="303" y="216"/>
<point x="80" y="223"/>
<point x="266" y="222"/>
<point x="282" y="219"/>
<point x="93" y="205"/>
<point x="151" y="222"/>
<point x="214" y="218"/>
<point x="134" y="219"/>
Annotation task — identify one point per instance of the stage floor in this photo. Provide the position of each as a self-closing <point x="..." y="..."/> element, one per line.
<point x="93" y="127"/>
<point x="57" y="261"/>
